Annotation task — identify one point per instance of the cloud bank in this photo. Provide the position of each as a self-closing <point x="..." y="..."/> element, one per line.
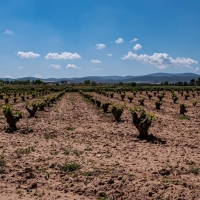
<point x="119" y="41"/>
<point x="100" y="46"/>
<point x="160" y="60"/>
<point x="55" y="66"/>
<point x="29" y="54"/>
<point x="134" y="40"/>
<point x="72" y="66"/>
<point x="95" y="61"/>
<point x="137" y="47"/>
<point x="63" y="56"/>
<point x="8" y="32"/>
<point x="38" y="76"/>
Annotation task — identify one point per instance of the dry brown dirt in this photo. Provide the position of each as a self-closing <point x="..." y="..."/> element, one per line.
<point x="107" y="159"/>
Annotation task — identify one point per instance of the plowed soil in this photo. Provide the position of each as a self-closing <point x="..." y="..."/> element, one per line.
<point x="73" y="150"/>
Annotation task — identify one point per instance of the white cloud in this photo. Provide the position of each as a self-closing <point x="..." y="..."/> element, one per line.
<point x="95" y="69"/>
<point x="100" y="46"/>
<point x="160" y="60"/>
<point x="119" y="41"/>
<point x="63" y="56"/>
<point x="7" y="76"/>
<point x="109" y="54"/>
<point x="21" y="67"/>
<point x="38" y="76"/>
<point x="72" y="66"/>
<point x="134" y="40"/>
<point x="95" y="61"/>
<point x="8" y="32"/>
<point x="29" y="54"/>
<point x="55" y="66"/>
<point x="137" y="47"/>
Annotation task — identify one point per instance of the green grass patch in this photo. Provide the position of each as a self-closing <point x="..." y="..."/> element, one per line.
<point x="69" y="167"/>
<point x="51" y="135"/>
<point x="26" y="150"/>
<point x="195" y="171"/>
<point x="184" y="117"/>
<point x="77" y="152"/>
<point x="102" y="196"/>
<point x="171" y="181"/>
<point x="2" y="161"/>
<point x="70" y="128"/>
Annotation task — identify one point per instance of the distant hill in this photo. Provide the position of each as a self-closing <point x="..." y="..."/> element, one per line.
<point x="170" y="75"/>
<point x="150" y="78"/>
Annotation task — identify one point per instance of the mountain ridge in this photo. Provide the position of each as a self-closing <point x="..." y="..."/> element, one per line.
<point x="149" y="78"/>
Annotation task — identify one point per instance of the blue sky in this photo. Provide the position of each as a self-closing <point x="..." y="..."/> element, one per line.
<point x="76" y="38"/>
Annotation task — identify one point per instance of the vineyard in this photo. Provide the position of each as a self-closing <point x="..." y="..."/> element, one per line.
<point x="100" y="143"/>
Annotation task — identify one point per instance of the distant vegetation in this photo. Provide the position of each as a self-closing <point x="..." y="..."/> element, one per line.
<point x="184" y="79"/>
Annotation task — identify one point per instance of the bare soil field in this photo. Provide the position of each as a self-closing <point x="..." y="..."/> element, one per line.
<point x="73" y="150"/>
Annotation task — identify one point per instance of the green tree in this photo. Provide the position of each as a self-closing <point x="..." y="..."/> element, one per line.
<point x="94" y="83"/>
<point x="166" y="83"/>
<point x="185" y="83"/>
<point x="87" y="82"/>
<point x="180" y="83"/>
<point x="198" y="81"/>
<point x="192" y="81"/>
<point x="133" y="84"/>
<point x="38" y="82"/>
